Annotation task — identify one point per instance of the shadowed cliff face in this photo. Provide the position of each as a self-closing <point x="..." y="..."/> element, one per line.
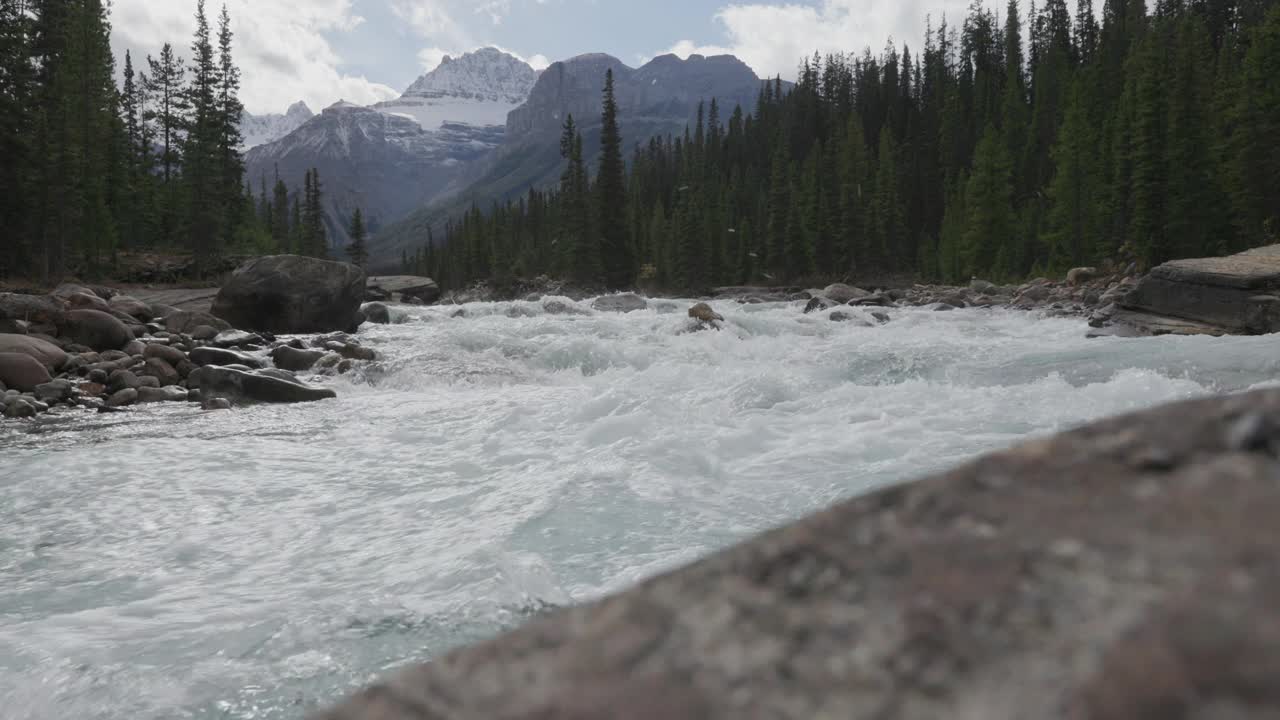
<point x="1124" y="570"/>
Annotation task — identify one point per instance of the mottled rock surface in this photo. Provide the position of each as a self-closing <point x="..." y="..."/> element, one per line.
<point x="1239" y="294"/>
<point x="292" y="294"/>
<point x="1123" y="571"/>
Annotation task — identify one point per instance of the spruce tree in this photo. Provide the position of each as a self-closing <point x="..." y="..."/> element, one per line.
<point x="616" y="255"/>
<point x="358" y="251"/>
<point x="985" y="246"/>
<point x="168" y="113"/>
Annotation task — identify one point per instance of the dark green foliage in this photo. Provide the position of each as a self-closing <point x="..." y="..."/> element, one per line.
<point x="1143" y="136"/>
<point x="92" y="168"/>
<point x="358" y="250"/>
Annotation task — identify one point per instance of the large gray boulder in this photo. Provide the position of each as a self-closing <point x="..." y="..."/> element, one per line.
<point x="1125" y="570"/>
<point x="49" y="355"/>
<point x="292" y="294"/>
<point x="95" y="329"/>
<point x="240" y="386"/>
<point x="1239" y="294"/>
<point x="188" y="321"/>
<point x="294" y="359"/>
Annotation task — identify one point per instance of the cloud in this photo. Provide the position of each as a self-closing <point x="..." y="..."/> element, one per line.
<point x="773" y="38"/>
<point x="280" y="47"/>
<point x="430" y="20"/>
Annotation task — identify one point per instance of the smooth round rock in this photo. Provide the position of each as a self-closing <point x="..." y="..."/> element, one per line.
<point x="95" y="329"/>
<point x="48" y="354"/>
<point x="22" y="372"/>
<point x="127" y="396"/>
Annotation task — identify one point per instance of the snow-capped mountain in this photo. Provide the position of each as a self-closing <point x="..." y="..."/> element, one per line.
<point x="393" y="157"/>
<point x="479" y="89"/>
<point x="261" y="129"/>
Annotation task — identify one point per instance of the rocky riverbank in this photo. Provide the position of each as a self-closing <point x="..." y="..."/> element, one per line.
<point x="1124" y="570"/>
<point x="94" y="348"/>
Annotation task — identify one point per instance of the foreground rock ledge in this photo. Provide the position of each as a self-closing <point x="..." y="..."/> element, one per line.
<point x="1125" y="570"/>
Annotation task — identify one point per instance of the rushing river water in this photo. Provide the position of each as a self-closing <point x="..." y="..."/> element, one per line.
<point x="174" y="563"/>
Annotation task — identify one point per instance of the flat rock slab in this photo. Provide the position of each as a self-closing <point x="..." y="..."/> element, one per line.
<point x="388" y="287"/>
<point x="1124" y="570"/>
<point x="1239" y="293"/>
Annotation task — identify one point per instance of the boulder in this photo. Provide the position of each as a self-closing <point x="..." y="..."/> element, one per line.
<point x="292" y="294"/>
<point x="132" y="307"/>
<point x="818" y="304"/>
<point x="162" y="394"/>
<point x="557" y="306"/>
<point x="134" y="347"/>
<point x="95" y="329"/>
<point x="1081" y="275"/>
<point x="202" y="356"/>
<point x="1239" y="294"/>
<point x="241" y="386"/>
<point x="160" y="370"/>
<point x="121" y="398"/>
<point x="171" y="355"/>
<point x="188" y="321"/>
<point x="85" y="301"/>
<point x="290" y="358"/>
<point x="1120" y="571"/>
<point x="376" y="313"/>
<point x="843" y="294"/>
<point x="35" y="309"/>
<point x="703" y="313"/>
<point x="406" y="287"/>
<point x="54" y="391"/>
<point x="236" y="338"/>
<point x="351" y="350"/>
<point x="49" y="355"/>
<point x="203" y="332"/>
<point x="19" y="371"/>
<point x="624" y="303"/>
<point x="19" y="408"/>
<point x="983" y="287"/>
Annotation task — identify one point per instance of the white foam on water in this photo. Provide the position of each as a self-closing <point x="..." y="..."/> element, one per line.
<point x="176" y="563"/>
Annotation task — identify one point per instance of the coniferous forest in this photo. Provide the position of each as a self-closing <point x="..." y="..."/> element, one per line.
<point x="1007" y="145"/>
<point x="99" y="162"/>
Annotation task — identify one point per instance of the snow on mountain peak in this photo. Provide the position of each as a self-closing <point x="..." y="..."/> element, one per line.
<point x="484" y="74"/>
<point x="476" y="89"/>
<point x="258" y="130"/>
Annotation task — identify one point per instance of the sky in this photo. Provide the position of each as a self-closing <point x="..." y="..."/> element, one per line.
<point x="362" y="51"/>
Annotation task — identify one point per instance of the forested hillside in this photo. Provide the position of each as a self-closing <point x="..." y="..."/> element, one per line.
<point x="93" y="167"/>
<point x="1005" y="146"/>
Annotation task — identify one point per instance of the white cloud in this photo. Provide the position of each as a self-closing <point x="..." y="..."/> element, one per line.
<point x="429" y="19"/>
<point x="773" y="38"/>
<point x="280" y="47"/>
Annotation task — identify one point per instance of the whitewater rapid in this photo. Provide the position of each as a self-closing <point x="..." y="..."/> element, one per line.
<point x="175" y="563"/>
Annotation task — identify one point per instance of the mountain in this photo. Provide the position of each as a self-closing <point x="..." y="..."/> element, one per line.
<point x="262" y="129"/>
<point x="658" y="98"/>
<point x="396" y="156"/>
<point x="479" y="88"/>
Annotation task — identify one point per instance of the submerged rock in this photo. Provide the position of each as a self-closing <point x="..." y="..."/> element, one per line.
<point x="1120" y="571"/>
<point x="376" y="313"/>
<point x="624" y="303"/>
<point x="703" y="313"/>
<point x="214" y="381"/>
<point x="843" y="294"/>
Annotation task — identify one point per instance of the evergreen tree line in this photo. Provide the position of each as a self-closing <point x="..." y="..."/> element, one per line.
<point x="93" y="168"/>
<point x="1138" y="138"/>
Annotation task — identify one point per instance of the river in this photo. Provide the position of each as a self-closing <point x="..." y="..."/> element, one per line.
<point x="175" y="563"/>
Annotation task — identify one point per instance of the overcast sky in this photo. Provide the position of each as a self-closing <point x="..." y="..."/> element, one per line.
<point x="321" y="51"/>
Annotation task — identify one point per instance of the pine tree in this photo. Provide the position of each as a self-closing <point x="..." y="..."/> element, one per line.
<point x="357" y="250"/>
<point x="280" y="226"/>
<point x="1072" y="224"/>
<point x="985" y="247"/>
<point x="616" y="254"/>
<point x="1254" y="158"/>
<point x="226" y="126"/>
<point x="165" y="87"/>
<point x="202" y="161"/>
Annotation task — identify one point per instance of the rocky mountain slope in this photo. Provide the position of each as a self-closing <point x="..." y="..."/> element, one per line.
<point x="660" y="97"/>
<point x="397" y="156"/>
<point x="262" y="129"/>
